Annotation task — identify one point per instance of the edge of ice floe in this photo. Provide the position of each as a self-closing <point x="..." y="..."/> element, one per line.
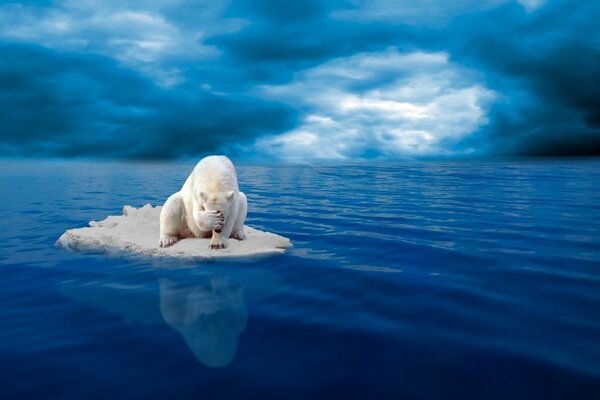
<point x="136" y="234"/>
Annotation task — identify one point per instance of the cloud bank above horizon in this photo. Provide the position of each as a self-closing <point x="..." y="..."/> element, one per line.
<point x="422" y="108"/>
<point x="267" y="79"/>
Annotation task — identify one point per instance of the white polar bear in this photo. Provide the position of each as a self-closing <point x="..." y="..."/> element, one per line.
<point x="209" y="201"/>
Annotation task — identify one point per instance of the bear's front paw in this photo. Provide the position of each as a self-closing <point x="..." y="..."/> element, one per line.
<point x="167" y="240"/>
<point x="239" y="235"/>
<point x="214" y="220"/>
<point x="218" y="243"/>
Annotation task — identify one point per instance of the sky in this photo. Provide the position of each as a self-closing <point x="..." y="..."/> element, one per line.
<point x="344" y="80"/>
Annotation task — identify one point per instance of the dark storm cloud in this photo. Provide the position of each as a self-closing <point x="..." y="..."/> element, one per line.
<point x="546" y="66"/>
<point x="167" y="80"/>
<point x="63" y="104"/>
<point x="283" y="38"/>
<point x="555" y="111"/>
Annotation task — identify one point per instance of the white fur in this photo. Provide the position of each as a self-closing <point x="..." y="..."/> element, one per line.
<point x="208" y="205"/>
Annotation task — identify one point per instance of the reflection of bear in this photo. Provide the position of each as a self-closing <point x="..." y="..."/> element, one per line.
<point x="210" y="319"/>
<point x="209" y="201"/>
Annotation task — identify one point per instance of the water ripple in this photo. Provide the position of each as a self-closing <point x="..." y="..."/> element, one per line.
<point x="480" y="259"/>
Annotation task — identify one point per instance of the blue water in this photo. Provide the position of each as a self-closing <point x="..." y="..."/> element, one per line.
<point x="446" y="280"/>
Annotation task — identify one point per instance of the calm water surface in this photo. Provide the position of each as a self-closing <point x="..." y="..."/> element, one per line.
<point x="424" y="280"/>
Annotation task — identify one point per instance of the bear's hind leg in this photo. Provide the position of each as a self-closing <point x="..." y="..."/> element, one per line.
<point x="238" y="227"/>
<point x="172" y="221"/>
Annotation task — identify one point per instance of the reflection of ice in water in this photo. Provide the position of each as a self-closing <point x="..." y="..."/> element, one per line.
<point x="210" y="318"/>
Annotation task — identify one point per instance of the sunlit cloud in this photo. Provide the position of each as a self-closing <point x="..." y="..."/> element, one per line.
<point x="424" y="12"/>
<point x="532" y="5"/>
<point x="388" y="104"/>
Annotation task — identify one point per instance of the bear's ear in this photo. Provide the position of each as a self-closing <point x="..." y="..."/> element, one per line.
<point x="229" y="195"/>
<point x="203" y="195"/>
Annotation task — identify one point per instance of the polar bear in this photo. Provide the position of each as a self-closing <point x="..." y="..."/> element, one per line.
<point x="209" y="202"/>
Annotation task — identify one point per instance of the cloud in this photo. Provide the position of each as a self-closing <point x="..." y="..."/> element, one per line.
<point x="347" y="78"/>
<point x="548" y="74"/>
<point x="532" y="5"/>
<point x="73" y="105"/>
<point x="433" y="13"/>
<point x="145" y="39"/>
<point x="424" y="12"/>
<point x="384" y="104"/>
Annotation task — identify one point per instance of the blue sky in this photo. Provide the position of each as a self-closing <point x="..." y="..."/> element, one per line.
<point x="383" y="79"/>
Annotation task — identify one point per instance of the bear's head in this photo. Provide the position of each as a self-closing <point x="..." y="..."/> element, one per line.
<point x="217" y="201"/>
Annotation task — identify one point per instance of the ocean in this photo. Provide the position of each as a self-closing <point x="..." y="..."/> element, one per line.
<point x="407" y="280"/>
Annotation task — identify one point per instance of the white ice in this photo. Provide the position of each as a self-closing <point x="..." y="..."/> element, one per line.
<point x="136" y="233"/>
